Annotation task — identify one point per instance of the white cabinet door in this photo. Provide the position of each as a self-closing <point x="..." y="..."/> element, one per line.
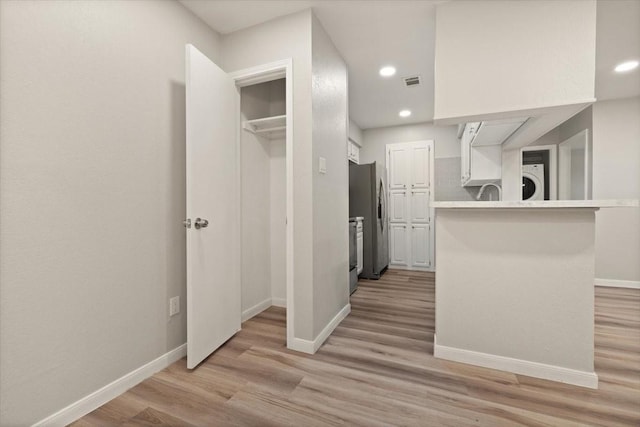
<point x="420" y="248"/>
<point x="419" y="169"/>
<point x="409" y="170"/>
<point x="359" y="251"/>
<point x="212" y="189"/>
<point x="398" y="167"/>
<point x="465" y="154"/>
<point x="420" y="206"/>
<point x="398" y="206"/>
<point x="398" y="244"/>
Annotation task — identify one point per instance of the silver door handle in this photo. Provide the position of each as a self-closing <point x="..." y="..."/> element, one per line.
<point x="201" y="223"/>
<point x="187" y="223"/>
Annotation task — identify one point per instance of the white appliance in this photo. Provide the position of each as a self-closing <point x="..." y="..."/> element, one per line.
<point x="533" y="182"/>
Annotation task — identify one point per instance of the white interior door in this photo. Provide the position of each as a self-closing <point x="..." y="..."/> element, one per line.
<point x="213" y="261"/>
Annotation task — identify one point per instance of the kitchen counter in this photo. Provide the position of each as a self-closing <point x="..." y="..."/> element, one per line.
<point x="549" y="204"/>
<point x="515" y="286"/>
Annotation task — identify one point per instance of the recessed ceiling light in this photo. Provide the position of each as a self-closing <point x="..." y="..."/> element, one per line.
<point x="404" y="113"/>
<point x="626" y="66"/>
<point x="387" y="71"/>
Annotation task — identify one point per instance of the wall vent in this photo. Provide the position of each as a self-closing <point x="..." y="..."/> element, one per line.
<point x="411" y="81"/>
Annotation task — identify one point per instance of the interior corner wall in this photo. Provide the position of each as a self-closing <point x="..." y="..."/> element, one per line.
<point x="92" y="194"/>
<point x="616" y="175"/>
<point x="283" y="38"/>
<point x="330" y="190"/>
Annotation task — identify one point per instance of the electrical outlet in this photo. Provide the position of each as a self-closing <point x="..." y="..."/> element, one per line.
<point x="174" y="306"/>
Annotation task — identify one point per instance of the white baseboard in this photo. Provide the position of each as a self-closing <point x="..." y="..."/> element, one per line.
<point x="405" y="267"/>
<point x="303" y="346"/>
<point x="99" y="397"/>
<point x="310" y="347"/>
<point x="256" y="309"/>
<point x="279" y="302"/>
<point x="262" y="306"/>
<point x="517" y="366"/>
<point x="611" y="283"/>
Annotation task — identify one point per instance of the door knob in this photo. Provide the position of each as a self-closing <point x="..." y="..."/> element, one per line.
<point x="187" y="223"/>
<point x="201" y="223"/>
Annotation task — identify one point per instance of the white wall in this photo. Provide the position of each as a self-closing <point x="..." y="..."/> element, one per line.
<point x="330" y="190"/>
<point x="282" y="38"/>
<point x="355" y="133"/>
<point x="555" y="67"/>
<point x="616" y="175"/>
<point x="278" y="213"/>
<point x="446" y="143"/>
<point x="493" y="297"/>
<point x="256" y="199"/>
<point x="92" y="194"/>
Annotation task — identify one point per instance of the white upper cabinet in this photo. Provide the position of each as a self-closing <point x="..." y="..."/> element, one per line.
<point x="525" y="59"/>
<point x="480" y="164"/>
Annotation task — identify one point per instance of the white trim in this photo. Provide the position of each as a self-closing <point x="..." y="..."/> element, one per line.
<point x="408" y="268"/>
<point x="256" y="309"/>
<point x="112" y="390"/>
<point x="303" y="346"/>
<point x="611" y="283"/>
<point x="517" y="366"/>
<point x="279" y="302"/>
<point x="310" y="347"/>
<point x="259" y="74"/>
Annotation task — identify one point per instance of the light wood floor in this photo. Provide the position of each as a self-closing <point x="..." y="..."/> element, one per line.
<point x="377" y="369"/>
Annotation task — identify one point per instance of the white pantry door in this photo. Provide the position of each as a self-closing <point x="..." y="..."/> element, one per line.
<point x="213" y="262"/>
<point x="410" y="231"/>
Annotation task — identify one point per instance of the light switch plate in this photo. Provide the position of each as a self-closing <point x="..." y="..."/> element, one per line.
<point x="322" y="165"/>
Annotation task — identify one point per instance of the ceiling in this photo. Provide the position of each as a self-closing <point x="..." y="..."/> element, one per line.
<point x="370" y="34"/>
<point x="617" y="40"/>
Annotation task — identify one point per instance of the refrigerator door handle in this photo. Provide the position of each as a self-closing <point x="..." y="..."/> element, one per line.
<point x="382" y="202"/>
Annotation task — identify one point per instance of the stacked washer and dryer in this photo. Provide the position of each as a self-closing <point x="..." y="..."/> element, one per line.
<point x="533" y="182"/>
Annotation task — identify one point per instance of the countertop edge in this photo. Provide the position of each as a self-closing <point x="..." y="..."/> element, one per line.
<point x="546" y="204"/>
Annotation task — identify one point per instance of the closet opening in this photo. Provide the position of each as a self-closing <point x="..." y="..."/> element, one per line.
<point x="266" y="212"/>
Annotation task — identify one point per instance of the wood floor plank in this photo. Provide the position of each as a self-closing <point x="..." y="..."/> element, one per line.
<point x="378" y="369"/>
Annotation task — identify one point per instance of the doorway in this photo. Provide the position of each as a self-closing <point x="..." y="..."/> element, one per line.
<point x="265" y="173"/>
<point x="539" y="172"/>
<point x="409" y="177"/>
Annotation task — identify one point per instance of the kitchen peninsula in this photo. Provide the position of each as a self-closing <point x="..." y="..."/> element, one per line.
<point x="515" y="286"/>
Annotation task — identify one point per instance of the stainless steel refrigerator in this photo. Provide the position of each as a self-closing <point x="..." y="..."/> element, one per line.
<point x="368" y="198"/>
